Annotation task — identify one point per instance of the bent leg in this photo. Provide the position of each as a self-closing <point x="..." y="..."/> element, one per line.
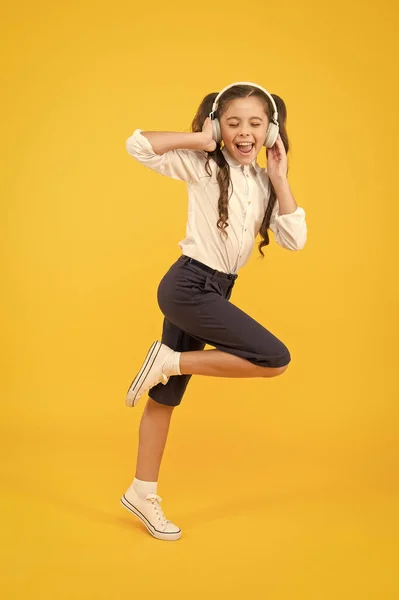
<point x="216" y="321"/>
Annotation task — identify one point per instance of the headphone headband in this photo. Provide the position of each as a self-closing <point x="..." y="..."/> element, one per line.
<point x="214" y="106"/>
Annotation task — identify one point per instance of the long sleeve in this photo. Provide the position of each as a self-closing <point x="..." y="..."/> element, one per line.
<point x="290" y="230"/>
<point x="185" y="165"/>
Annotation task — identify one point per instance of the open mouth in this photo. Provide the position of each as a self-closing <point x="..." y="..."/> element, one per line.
<point x="245" y="149"/>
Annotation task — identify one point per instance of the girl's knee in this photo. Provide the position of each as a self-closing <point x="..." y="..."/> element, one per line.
<point x="287" y="360"/>
<point x="280" y="370"/>
<point x="285" y="357"/>
<point x="274" y="371"/>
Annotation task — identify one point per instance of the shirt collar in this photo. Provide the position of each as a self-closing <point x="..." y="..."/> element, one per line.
<point x="234" y="163"/>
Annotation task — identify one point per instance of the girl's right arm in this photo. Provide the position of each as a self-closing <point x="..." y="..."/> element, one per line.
<point x="174" y="154"/>
<point x="163" y="141"/>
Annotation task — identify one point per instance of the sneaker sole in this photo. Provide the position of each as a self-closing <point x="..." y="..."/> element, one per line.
<point x="132" y="398"/>
<point x="160" y="535"/>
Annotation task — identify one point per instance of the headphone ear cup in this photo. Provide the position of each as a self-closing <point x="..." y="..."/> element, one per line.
<point x="271" y="135"/>
<point x="216" y="131"/>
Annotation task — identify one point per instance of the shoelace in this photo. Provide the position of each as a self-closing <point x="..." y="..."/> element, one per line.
<point x="156" y="501"/>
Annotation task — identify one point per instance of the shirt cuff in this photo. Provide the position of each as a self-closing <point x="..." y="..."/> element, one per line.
<point x="143" y="143"/>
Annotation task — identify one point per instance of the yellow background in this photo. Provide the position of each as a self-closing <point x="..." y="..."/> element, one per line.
<point x="284" y="488"/>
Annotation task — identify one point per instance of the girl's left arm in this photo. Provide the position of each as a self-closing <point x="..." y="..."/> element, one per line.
<point x="285" y="198"/>
<point x="288" y="220"/>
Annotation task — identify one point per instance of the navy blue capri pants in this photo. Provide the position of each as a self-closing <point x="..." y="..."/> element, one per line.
<point x="195" y="302"/>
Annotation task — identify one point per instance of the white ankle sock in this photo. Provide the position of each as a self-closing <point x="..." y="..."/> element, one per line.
<point x="142" y="488"/>
<point x="172" y="364"/>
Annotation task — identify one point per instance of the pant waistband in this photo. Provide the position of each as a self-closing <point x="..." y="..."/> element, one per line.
<point x="204" y="267"/>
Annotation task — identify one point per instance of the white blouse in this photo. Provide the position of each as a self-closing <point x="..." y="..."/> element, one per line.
<point x="247" y="205"/>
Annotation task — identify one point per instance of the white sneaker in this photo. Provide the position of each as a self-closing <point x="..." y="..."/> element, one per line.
<point x="150" y="373"/>
<point x="149" y="511"/>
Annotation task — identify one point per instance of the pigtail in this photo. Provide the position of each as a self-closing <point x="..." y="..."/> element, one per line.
<point x="223" y="172"/>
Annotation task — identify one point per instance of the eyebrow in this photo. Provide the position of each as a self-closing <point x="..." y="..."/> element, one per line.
<point x="238" y="118"/>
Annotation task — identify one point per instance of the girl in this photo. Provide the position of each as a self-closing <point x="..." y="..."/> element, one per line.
<point x="231" y="200"/>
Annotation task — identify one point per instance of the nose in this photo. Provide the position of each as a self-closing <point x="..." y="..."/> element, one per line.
<point x="245" y="132"/>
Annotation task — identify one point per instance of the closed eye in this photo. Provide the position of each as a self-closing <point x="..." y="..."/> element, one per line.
<point x="253" y="125"/>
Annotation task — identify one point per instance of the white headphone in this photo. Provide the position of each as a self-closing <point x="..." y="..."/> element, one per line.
<point x="273" y="129"/>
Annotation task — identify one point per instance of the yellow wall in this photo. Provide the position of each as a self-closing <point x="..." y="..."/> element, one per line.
<point x="284" y="488"/>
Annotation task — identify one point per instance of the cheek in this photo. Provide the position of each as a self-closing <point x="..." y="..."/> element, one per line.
<point x="227" y="135"/>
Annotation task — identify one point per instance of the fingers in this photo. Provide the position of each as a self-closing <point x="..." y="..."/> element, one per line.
<point x="278" y="146"/>
<point x="206" y="123"/>
<point x="276" y="143"/>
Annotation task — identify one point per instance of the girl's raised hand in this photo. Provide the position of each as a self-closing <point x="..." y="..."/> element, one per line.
<point x="208" y="143"/>
<point x="277" y="160"/>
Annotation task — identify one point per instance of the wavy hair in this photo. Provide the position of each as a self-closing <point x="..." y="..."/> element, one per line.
<point x="223" y="171"/>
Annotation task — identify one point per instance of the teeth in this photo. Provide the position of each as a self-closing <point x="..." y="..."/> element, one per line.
<point x="245" y="144"/>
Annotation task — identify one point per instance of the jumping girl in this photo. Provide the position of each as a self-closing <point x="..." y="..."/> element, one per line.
<point x="231" y="200"/>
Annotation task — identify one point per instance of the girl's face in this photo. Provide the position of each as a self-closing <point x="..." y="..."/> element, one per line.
<point x="244" y="120"/>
